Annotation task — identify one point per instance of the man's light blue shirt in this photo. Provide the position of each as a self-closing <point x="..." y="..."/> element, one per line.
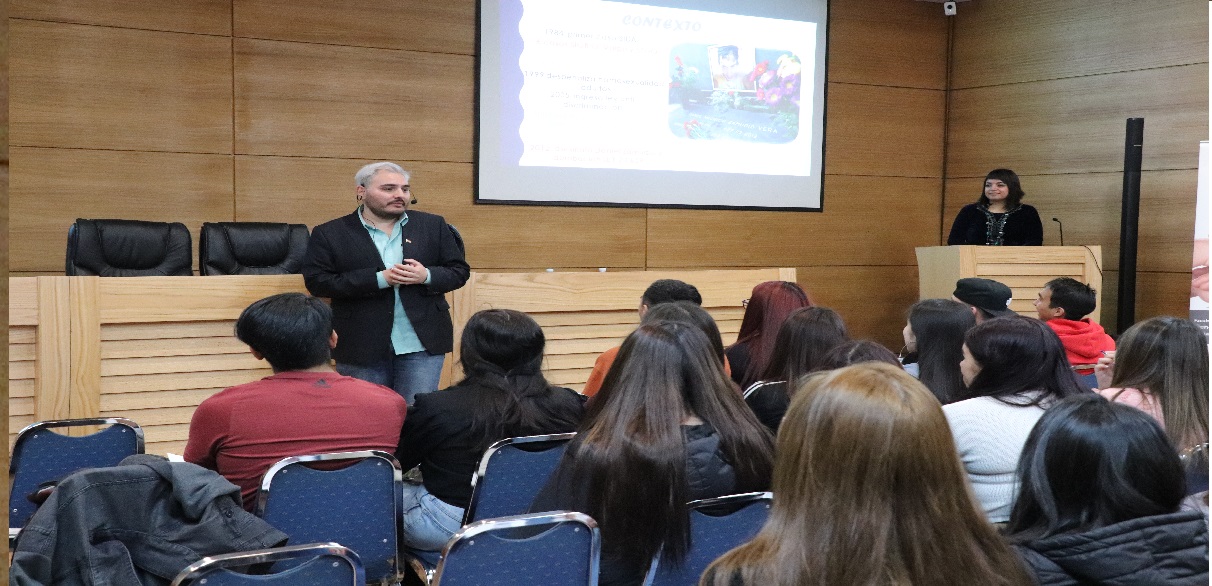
<point x="403" y="338"/>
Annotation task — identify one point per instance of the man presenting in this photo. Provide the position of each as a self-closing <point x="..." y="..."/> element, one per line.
<point x="304" y="408"/>
<point x="386" y="270"/>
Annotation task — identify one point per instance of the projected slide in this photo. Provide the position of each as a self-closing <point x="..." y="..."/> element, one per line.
<point x="588" y="101"/>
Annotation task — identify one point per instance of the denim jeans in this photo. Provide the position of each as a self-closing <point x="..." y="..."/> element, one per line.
<point x="429" y="522"/>
<point x="408" y="374"/>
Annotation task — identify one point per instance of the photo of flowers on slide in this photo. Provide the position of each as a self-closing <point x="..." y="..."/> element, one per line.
<point x="748" y="94"/>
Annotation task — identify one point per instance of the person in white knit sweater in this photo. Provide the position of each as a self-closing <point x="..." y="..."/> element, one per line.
<point x="1013" y="368"/>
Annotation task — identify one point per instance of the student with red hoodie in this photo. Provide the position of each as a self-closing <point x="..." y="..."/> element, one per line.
<point x="1064" y="304"/>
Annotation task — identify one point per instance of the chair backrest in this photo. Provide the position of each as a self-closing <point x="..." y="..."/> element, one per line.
<point x="511" y="473"/>
<point x="551" y="549"/>
<point x="128" y="248"/>
<point x="358" y="506"/>
<point x="321" y="564"/>
<point x="716" y="526"/>
<point x="41" y="455"/>
<point x="251" y="248"/>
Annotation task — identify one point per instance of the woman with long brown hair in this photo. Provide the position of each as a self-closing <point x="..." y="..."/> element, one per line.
<point x="765" y="310"/>
<point x="1161" y="367"/>
<point x="667" y="427"/>
<point x="805" y="338"/>
<point x="868" y="490"/>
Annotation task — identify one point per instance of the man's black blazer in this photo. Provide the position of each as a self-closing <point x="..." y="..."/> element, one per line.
<point x="341" y="264"/>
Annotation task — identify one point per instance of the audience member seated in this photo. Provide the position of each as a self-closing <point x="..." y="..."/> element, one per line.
<point x="934" y="337"/>
<point x="688" y="313"/>
<point x="660" y="291"/>
<point x="304" y="408"/>
<point x="1064" y="304"/>
<point x="769" y="304"/>
<point x="868" y="490"/>
<point x="805" y="337"/>
<point x="503" y="394"/>
<point x="1014" y="368"/>
<point x="1099" y="503"/>
<point x="667" y="427"/>
<point x="1162" y="368"/>
<point x="985" y="298"/>
<point x="858" y="351"/>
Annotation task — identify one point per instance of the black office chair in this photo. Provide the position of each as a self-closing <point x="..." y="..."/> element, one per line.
<point x="251" y="248"/>
<point x="128" y="248"/>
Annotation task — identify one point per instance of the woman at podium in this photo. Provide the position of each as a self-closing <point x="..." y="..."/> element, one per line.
<point x="998" y="218"/>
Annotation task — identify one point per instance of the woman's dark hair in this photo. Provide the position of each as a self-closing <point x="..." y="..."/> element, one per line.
<point x="1167" y="358"/>
<point x="1010" y="178"/>
<point x="939" y="326"/>
<point x="855" y="352"/>
<point x="869" y="489"/>
<point x="769" y="305"/>
<point x="691" y="314"/>
<point x="805" y="337"/>
<point x="1018" y="355"/>
<point x="502" y="349"/>
<point x="1089" y="463"/>
<point x="291" y="330"/>
<point x="632" y="453"/>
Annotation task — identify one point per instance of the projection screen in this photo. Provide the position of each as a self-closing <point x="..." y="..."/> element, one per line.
<point x="658" y="103"/>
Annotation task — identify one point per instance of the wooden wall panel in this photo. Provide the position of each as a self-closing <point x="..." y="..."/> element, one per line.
<point x="868" y="47"/>
<point x="98" y="87"/>
<point x="872" y="300"/>
<point x="1157" y="293"/>
<point x="53" y="187"/>
<point x="352" y="102"/>
<point x="1051" y="103"/>
<point x="497" y="237"/>
<point x="436" y="27"/>
<point x="1076" y="125"/>
<point x="902" y="212"/>
<point x="1011" y="41"/>
<point x="1089" y="205"/>
<point x="186" y="16"/>
<point x="873" y="130"/>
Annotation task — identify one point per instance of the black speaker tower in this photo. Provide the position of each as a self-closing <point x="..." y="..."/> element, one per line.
<point x="1128" y="228"/>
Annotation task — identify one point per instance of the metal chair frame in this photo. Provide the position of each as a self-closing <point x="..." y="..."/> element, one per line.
<point x="201" y="567"/>
<point x="50" y="425"/>
<point x="733" y="501"/>
<point x="553" y="518"/>
<point x="397" y="490"/>
<point x="485" y="461"/>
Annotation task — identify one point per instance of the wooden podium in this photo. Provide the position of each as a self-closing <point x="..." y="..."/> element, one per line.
<point x="1024" y="269"/>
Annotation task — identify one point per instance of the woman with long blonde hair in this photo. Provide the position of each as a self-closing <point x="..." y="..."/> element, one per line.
<point x="868" y="489"/>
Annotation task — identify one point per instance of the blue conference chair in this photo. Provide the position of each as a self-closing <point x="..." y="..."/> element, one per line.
<point x="511" y="473"/>
<point x="320" y="564"/>
<point x="358" y="505"/>
<point x="547" y="549"/>
<point x="716" y="526"/>
<point x="41" y="455"/>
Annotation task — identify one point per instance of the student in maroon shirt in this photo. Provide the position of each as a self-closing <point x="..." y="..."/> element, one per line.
<point x="304" y="408"/>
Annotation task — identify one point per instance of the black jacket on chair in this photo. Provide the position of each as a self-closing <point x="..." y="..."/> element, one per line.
<point x="341" y="264"/>
<point x="135" y="524"/>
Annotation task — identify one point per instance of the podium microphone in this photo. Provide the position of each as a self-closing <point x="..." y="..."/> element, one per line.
<point x="1062" y="229"/>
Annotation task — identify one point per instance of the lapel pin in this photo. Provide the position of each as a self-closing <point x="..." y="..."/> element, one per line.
<point x="408" y="241"/>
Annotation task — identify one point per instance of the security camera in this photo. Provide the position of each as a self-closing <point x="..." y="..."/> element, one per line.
<point x="949" y="8"/>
